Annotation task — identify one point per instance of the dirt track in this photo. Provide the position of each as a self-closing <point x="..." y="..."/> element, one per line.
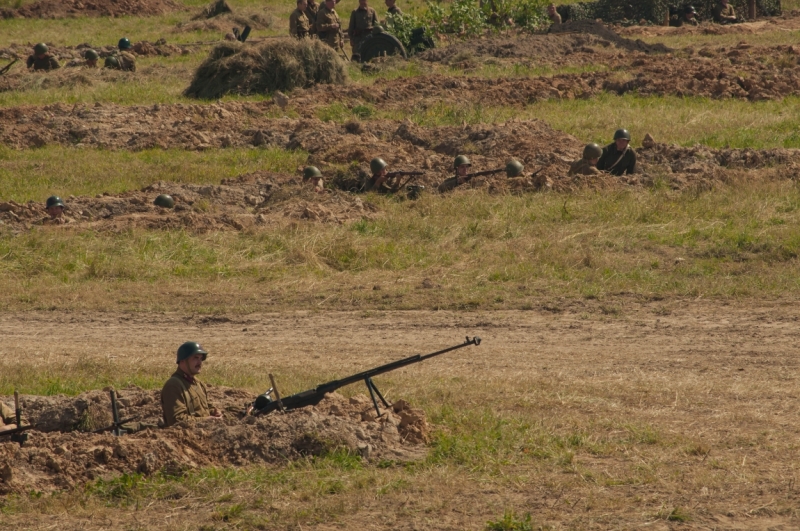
<point x="720" y="376"/>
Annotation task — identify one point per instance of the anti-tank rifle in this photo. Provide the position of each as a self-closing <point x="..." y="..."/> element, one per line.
<point x="265" y="404"/>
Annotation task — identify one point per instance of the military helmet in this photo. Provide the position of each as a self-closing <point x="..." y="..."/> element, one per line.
<point x="124" y="43"/>
<point x="376" y="165"/>
<point x="514" y="168"/>
<point x="311" y="172"/>
<point x="461" y="160"/>
<point x="189" y="349"/>
<point x="112" y="62"/>
<point x="592" y="151"/>
<point x="92" y="55"/>
<point x="40" y="48"/>
<point x="164" y="201"/>
<point x="54" y="200"/>
<point x="690" y="9"/>
<point x="622" y="133"/>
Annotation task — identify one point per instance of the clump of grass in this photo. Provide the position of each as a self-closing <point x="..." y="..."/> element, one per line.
<point x="232" y="68"/>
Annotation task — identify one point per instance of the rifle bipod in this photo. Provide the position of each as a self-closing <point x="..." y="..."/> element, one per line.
<point x="373" y="390"/>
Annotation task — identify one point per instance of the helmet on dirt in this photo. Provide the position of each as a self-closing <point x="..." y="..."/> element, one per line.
<point x="376" y="165"/>
<point x="54" y="200"/>
<point x="461" y="160"/>
<point x="592" y="151"/>
<point x="622" y="133"/>
<point x="164" y="201"/>
<point x="514" y="168"/>
<point x="112" y="62"/>
<point x="124" y="44"/>
<point x="189" y="349"/>
<point x="40" y="48"/>
<point x="311" y="172"/>
<point x="91" y="55"/>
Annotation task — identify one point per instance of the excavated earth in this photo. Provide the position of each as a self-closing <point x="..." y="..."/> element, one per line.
<point x="93" y="8"/>
<point x="61" y="452"/>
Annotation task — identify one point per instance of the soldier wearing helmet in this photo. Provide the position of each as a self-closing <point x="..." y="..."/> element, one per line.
<point x="55" y="212"/>
<point x="41" y="59"/>
<point x="123" y="59"/>
<point x="618" y="158"/>
<point x="184" y="397"/>
<point x="313" y="177"/>
<point x="686" y="17"/>
<point x="461" y="164"/>
<point x="379" y="182"/>
<point x="587" y="165"/>
<point x="90" y="60"/>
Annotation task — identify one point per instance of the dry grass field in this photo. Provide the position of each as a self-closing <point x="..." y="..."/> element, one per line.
<point x="638" y="368"/>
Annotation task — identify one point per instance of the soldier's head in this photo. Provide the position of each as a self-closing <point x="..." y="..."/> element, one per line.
<point x="54" y="206"/>
<point x="362" y="4"/>
<point x="462" y="165"/>
<point x="302" y="5"/>
<point x="191" y="357"/>
<point x="378" y="167"/>
<point x="689" y="12"/>
<point x="622" y="138"/>
<point x="40" y="50"/>
<point x="91" y="58"/>
<point x="330" y="4"/>
<point x="551" y="9"/>
<point x="124" y="44"/>
<point x="312" y="176"/>
<point x="724" y="3"/>
<point x="592" y="153"/>
<point x="390" y="3"/>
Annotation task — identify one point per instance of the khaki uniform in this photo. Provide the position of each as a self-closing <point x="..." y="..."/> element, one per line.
<point x="326" y="18"/>
<point x="127" y="62"/>
<point x="582" y="167"/>
<point x="361" y="23"/>
<point x="555" y="18"/>
<point x="394" y="10"/>
<point x="9" y="416"/>
<point x="449" y="184"/>
<point x="182" y="399"/>
<point x="63" y="220"/>
<point x="311" y="13"/>
<point x="724" y="15"/>
<point x="46" y="62"/>
<point x="299" y="26"/>
<point x="683" y="21"/>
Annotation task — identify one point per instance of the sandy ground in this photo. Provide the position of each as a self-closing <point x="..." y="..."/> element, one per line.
<point x="723" y="375"/>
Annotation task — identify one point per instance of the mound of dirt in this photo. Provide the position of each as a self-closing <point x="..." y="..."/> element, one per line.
<point x="224" y="23"/>
<point x="59" y="456"/>
<point x="604" y="32"/>
<point x="245" y="203"/>
<point x="94" y="8"/>
<point x="277" y="65"/>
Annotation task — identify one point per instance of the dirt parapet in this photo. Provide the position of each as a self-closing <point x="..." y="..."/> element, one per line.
<point x="95" y="8"/>
<point x="63" y="457"/>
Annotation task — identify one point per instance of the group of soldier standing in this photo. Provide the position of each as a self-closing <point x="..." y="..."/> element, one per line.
<point x="310" y="20"/>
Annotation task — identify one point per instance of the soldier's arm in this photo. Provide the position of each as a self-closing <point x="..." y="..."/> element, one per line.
<point x="54" y="63"/>
<point x="173" y="404"/>
<point x="351" y="28"/>
<point x="324" y="23"/>
<point x="293" y="25"/>
<point x="374" y="18"/>
<point x="30" y="61"/>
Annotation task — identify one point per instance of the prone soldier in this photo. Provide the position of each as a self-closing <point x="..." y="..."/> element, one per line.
<point x="384" y="182"/>
<point x="588" y="164"/>
<point x="362" y="20"/>
<point x="90" y="60"/>
<point x="184" y="397"/>
<point x="41" y="59"/>
<point x="299" y="24"/>
<point x="618" y="158"/>
<point x="123" y="60"/>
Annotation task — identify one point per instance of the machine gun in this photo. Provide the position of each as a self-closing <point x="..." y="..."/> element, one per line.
<point x="116" y="426"/>
<point x="265" y="404"/>
<point x="8" y="66"/>
<point x="17" y="434"/>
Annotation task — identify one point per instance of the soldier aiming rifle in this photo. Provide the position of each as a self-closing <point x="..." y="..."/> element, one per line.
<point x="384" y="182"/>
<point x="462" y="164"/>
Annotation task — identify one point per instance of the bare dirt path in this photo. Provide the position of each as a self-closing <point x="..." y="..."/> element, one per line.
<point x="716" y="382"/>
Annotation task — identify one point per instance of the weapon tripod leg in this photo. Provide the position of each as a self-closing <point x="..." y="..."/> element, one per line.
<point x="373" y="390"/>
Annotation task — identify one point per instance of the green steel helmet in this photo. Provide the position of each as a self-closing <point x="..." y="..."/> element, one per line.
<point x="189" y="349"/>
<point x="376" y="165"/>
<point x="164" y="201"/>
<point x="112" y="62"/>
<point x="311" y="172"/>
<point x="124" y="44"/>
<point x="622" y="133"/>
<point x="461" y="160"/>
<point x="54" y="200"/>
<point x="92" y="55"/>
<point x="40" y="48"/>
<point x="592" y="151"/>
<point x="514" y="168"/>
